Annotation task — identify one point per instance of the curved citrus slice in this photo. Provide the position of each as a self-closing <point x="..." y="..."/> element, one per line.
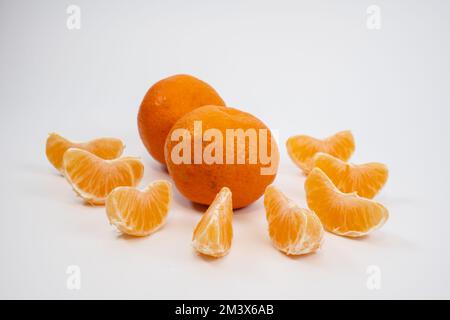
<point x="106" y="148"/>
<point x="93" y="178"/>
<point x="139" y="213"/>
<point x="302" y="148"/>
<point x="293" y="230"/>
<point x="364" y="179"/>
<point x="345" y="214"/>
<point x="213" y="234"/>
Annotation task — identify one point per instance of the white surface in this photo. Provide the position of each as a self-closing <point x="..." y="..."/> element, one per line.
<point x="302" y="67"/>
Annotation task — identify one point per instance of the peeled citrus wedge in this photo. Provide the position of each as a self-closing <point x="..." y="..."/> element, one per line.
<point x="302" y="148"/>
<point x="106" y="148"/>
<point x="345" y="214"/>
<point x="293" y="230"/>
<point x="213" y="234"/>
<point x="364" y="179"/>
<point x="139" y="213"/>
<point x="93" y="178"/>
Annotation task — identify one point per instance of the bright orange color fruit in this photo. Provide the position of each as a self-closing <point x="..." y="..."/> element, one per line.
<point x="167" y="101"/>
<point x="247" y="174"/>
<point x="364" y="179"/>
<point x="214" y="233"/>
<point x="293" y="230"/>
<point x="139" y="213"/>
<point x="106" y="148"/>
<point x="345" y="214"/>
<point x="302" y="148"/>
<point x="93" y="178"/>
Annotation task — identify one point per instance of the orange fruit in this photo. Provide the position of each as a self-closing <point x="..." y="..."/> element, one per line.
<point x="345" y="214"/>
<point x="93" y="178"/>
<point x="247" y="173"/>
<point x="302" y="148"/>
<point x="293" y="230"/>
<point x="167" y="101"/>
<point x="106" y="148"/>
<point x="214" y="232"/>
<point x="139" y="213"/>
<point x="364" y="179"/>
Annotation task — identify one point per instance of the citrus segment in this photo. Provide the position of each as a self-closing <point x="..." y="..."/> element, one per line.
<point x="106" y="148"/>
<point x="364" y="179"/>
<point x="93" y="178"/>
<point x="293" y="230"/>
<point x="302" y="148"/>
<point x="345" y="214"/>
<point x="214" y="233"/>
<point x="139" y="213"/>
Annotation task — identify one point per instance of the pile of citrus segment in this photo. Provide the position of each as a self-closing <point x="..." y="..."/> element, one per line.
<point x="100" y="176"/>
<point x="338" y="193"/>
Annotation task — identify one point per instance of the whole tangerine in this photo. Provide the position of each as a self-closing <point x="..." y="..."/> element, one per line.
<point x="167" y="101"/>
<point x="237" y="151"/>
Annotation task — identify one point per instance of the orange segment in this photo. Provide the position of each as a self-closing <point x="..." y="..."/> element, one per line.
<point x="302" y="148"/>
<point x="364" y="179"/>
<point x="293" y="230"/>
<point x="139" y="213"/>
<point x="213" y="234"/>
<point x="106" y="148"/>
<point x="345" y="214"/>
<point x="93" y="178"/>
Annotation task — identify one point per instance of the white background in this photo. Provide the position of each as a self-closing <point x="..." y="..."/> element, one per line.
<point x="307" y="67"/>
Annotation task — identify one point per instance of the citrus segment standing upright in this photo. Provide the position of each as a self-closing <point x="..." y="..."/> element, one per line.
<point x="214" y="232"/>
<point x="293" y="230"/>
<point x="139" y="213"/>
